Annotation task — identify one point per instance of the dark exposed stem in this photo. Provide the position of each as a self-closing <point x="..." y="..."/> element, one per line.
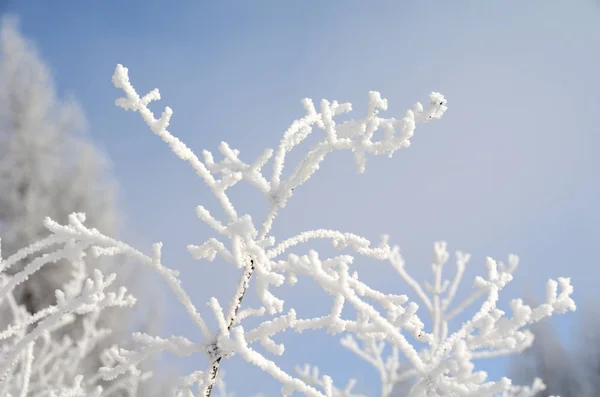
<point x="245" y="282"/>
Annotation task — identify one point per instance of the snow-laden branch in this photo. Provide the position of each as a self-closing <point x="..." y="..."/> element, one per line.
<point x="247" y="247"/>
<point x="373" y="320"/>
<point x="489" y="333"/>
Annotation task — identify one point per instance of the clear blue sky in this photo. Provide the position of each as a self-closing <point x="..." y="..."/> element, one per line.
<point x="511" y="167"/>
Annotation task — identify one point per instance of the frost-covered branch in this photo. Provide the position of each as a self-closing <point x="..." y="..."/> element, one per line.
<point x="490" y="333"/>
<point x="374" y="322"/>
<point x="247" y="248"/>
<point x="34" y="359"/>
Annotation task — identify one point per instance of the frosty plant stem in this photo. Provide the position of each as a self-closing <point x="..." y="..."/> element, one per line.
<point x="239" y="296"/>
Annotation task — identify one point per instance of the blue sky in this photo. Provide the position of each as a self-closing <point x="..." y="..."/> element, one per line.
<point x="511" y="167"/>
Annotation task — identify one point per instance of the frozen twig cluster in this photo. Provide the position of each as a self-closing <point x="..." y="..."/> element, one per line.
<point x="443" y="368"/>
<point x="35" y="360"/>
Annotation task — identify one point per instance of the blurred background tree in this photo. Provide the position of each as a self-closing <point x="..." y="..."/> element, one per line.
<point x="568" y="371"/>
<point x="49" y="166"/>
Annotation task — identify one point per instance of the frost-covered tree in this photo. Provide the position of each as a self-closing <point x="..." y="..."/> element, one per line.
<point x="49" y="167"/>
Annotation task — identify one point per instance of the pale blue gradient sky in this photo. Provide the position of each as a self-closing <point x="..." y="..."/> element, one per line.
<point x="511" y="167"/>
